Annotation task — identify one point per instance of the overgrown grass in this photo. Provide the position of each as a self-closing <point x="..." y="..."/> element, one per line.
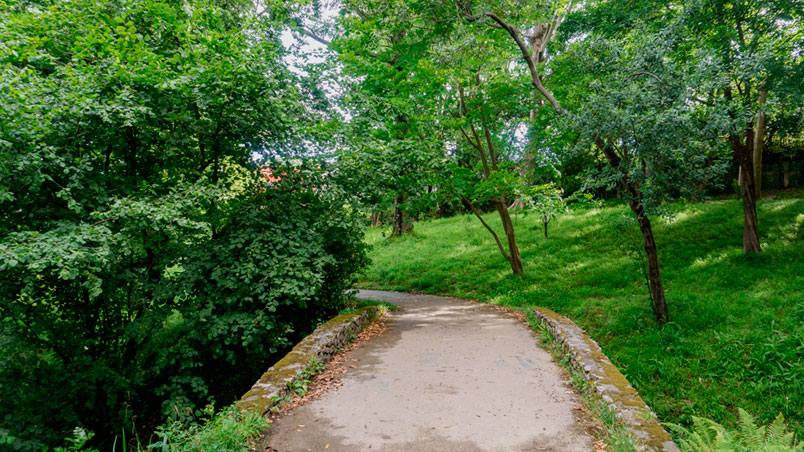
<point x="736" y="336"/>
<point x="228" y="430"/>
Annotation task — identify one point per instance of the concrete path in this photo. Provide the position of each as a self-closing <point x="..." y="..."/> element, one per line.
<point x="447" y="376"/>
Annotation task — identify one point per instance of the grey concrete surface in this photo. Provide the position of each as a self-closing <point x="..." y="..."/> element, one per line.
<point x="448" y="376"/>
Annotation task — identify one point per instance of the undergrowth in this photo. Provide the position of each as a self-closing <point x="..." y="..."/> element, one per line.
<point x="230" y="430"/>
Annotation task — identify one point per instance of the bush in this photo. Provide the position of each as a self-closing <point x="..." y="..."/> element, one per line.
<point x="230" y="430"/>
<point x="142" y="259"/>
<point x="282" y="266"/>
<point x="277" y="261"/>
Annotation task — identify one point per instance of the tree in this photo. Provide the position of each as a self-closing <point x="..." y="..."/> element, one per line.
<point x="752" y="50"/>
<point x="495" y="182"/>
<point x="391" y="145"/>
<point x="639" y="115"/>
<point x="127" y="130"/>
<point x="548" y="202"/>
<point x="638" y="163"/>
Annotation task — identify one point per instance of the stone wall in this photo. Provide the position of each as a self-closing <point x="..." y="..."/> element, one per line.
<point x="324" y="342"/>
<point x="609" y="383"/>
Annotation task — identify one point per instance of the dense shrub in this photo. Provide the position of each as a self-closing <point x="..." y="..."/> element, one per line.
<point x="217" y="313"/>
<point x="143" y="261"/>
<point x="282" y="265"/>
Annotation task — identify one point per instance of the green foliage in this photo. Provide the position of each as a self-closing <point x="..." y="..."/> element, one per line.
<point x="548" y="202"/>
<point x="271" y="275"/>
<point x="303" y="377"/>
<point x="229" y="430"/>
<point x="140" y="252"/>
<point x="78" y="440"/>
<point x="709" y="436"/>
<point x="735" y="340"/>
<point x="390" y="155"/>
<point x="638" y="103"/>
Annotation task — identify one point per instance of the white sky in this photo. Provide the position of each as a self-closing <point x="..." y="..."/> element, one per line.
<point x="311" y="50"/>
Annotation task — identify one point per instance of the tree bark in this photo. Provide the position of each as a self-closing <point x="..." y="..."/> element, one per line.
<point x="401" y="223"/>
<point x="508" y="226"/>
<point x="759" y="145"/>
<point x="743" y="155"/>
<point x="649" y="244"/>
<point x="751" y="222"/>
<point x="654" y="272"/>
<point x="479" y="216"/>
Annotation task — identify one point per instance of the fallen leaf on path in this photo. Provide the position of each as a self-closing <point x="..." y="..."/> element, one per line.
<point x="330" y="377"/>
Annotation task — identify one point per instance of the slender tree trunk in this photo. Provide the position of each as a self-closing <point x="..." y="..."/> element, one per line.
<point x="401" y="223"/>
<point x="654" y="271"/>
<point x="545" y="228"/>
<point x="508" y="226"/>
<point x="743" y="155"/>
<point x="751" y="222"/>
<point x="518" y="204"/>
<point x="759" y="145"/>
<point x="500" y="204"/>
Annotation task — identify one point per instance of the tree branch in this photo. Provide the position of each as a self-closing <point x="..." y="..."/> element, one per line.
<point x="474" y="210"/>
<point x="516" y="36"/>
<point x="463" y="132"/>
<point x="314" y="36"/>
<point x="651" y="74"/>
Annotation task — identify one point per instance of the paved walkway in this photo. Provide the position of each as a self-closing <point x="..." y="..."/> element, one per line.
<point x="447" y="376"/>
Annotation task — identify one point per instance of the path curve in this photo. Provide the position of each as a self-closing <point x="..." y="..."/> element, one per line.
<point x="448" y="375"/>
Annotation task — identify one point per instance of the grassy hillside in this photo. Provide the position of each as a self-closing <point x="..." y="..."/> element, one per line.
<point x="736" y="336"/>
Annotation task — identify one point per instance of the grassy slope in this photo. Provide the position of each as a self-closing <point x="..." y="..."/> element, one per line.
<point x="736" y="338"/>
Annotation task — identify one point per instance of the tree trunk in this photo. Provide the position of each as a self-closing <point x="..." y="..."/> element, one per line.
<point x="508" y="226"/>
<point x="654" y="273"/>
<point x="759" y="145"/>
<point x="401" y="221"/>
<point x="545" y="228"/>
<point x="750" y="224"/>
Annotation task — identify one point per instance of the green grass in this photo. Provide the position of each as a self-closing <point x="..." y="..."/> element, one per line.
<point x="356" y="304"/>
<point x="736" y="336"/>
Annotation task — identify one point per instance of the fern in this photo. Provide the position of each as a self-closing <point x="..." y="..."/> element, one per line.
<point x="709" y="436"/>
